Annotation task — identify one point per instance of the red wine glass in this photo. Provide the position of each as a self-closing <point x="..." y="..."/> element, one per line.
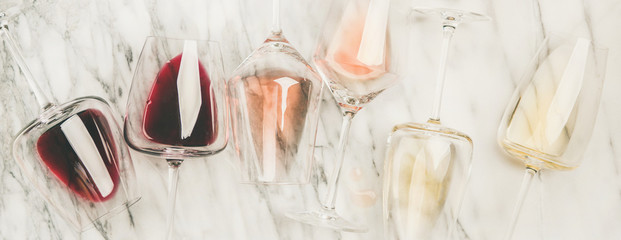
<point x="73" y="153"/>
<point x="275" y="96"/>
<point x="177" y="106"/>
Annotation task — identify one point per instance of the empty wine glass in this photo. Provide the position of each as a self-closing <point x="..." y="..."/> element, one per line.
<point x="550" y="119"/>
<point x="427" y="165"/>
<point x="355" y="58"/>
<point x="73" y="153"/>
<point x="274" y="96"/>
<point x="177" y="106"/>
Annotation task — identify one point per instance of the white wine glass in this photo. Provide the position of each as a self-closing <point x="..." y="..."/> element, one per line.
<point x="355" y="59"/>
<point x="427" y="165"/>
<point x="550" y="119"/>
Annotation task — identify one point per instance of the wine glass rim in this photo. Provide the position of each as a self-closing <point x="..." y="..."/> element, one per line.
<point x="432" y="129"/>
<point x="476" y="16"/>
<point x="324" y="74"/>
<point x="160" y="153"/>
<point x="60" y="109"/>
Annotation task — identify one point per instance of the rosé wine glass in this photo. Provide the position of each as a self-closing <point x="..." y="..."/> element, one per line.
<point x="274" y="98"/>
<point x="356" y="60"/>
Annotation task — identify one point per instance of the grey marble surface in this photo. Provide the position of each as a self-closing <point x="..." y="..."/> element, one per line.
<point x="85" y="47"/>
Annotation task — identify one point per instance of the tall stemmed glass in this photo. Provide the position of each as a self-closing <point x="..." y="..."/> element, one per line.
<point x="275" y="96"/>
<point x="550" y="119"/>
<point x="353" y="57"/>
<point x="73" y="153"/>
<point x="427" y="164"/>
<point x="177" y="106"/>
<point x="451" y="18"/>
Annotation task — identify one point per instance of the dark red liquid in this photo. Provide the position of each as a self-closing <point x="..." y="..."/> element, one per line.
<point x="60" y="157"/>
<point x="162" y="123"/>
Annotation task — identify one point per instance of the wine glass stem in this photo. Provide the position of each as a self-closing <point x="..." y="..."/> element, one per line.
<point x="538" y="24"/>
<point x="173" y="179"/>
<point x="446" y="40"/>
<point x="276" y="30"/>
<point x="330" y="200"/>
<point x="541" y="206"/>
<point x="526" y="182"/>
<point x="40" y="96"/>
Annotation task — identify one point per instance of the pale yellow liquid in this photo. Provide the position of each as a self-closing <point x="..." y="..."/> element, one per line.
<point x="542" y="124"/>
<point x="419" y="184"/>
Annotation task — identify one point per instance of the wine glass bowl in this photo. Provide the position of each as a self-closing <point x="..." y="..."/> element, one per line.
<point x="549" y="121"/>
<point x="550" y="118"/>
<point x="424" y="174"/>
<point x="75" y="156"/>
<point x="354" y="70"/>
<point x="274" y="99"/>
<point x="152" y="122"/>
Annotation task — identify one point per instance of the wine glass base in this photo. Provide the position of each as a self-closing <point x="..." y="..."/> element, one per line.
<point x="8" y="9"/>
<point x="453" y="16"/>
<point x="326" y="218"/>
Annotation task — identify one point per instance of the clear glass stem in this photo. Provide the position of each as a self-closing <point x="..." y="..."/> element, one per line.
<point x="42" y="99"/>
<point x="276" y="30"/>
<point x="541" y="206"/>
<point x="538" y="24"/>
<point x="330" y="200"/>
<point x="526" y="182"/>
<point x="173" y="179"/>
<point x="447" y="35"/>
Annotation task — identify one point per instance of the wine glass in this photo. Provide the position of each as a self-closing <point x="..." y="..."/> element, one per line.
<point x="177" y="106"/>
<point x="73" y="153"/>
<point x="428" y="165"/>
<point x="550" y="119"/>
<point x="355" y="59"/>
<point x="274" y="100"/>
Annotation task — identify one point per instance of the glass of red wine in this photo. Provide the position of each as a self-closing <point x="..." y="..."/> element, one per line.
<point x="275" y="96"/>
<point x="73" y="153"/>
<point x="177" y="106"/>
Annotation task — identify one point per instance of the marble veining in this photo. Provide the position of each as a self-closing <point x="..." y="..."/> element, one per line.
<point x="79" y="48"/>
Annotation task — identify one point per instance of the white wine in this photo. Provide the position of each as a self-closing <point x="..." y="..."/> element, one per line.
<point x="419" y="184"/>
<point x="424" y="164"/>
<point x="542" y="124"/>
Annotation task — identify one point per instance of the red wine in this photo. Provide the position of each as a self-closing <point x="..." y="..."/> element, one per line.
<point x="162" y="122"/>
<point x="63" y="161"/>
